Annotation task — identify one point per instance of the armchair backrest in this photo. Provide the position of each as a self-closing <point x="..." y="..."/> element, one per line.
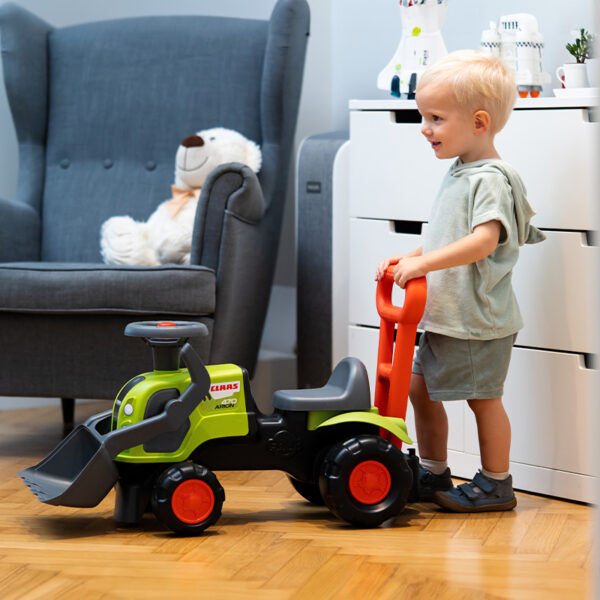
<point x="100" y="109"/>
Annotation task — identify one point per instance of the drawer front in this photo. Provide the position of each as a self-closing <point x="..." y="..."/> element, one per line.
<point x="556" y="154"/>
<point x="395" y="175"/>
<point x="549" y="399"/>
<point x="363" y="343"/>
<point x="370" y="242"/>
<point x="554" y="281"/>
<point x="555" y="284"/>
<point x="393" y="171"/>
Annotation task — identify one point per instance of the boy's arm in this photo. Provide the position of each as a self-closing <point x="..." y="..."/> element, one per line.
<point x="384" y="264"/>
<point x="469" y="249"/>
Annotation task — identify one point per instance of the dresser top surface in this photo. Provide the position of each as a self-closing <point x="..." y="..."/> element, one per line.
<point x="522" y="103"/>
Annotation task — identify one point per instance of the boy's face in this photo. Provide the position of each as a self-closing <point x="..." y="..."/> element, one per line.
<point x="447" y="126"/>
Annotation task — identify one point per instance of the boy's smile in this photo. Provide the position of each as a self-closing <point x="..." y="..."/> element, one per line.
<point x="451" y="129"/>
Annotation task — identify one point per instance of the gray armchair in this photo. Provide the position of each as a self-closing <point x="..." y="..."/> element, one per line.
<point x="99" y="110"/>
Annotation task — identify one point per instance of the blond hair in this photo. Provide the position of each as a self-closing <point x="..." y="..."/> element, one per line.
<point x="479" y="82"/>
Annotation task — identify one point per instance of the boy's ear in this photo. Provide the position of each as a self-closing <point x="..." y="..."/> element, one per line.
<point x="481" y="122"/>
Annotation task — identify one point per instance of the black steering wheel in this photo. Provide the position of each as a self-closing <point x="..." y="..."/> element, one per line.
<point x="166" y="338"/>
<point x="165" y="330"/>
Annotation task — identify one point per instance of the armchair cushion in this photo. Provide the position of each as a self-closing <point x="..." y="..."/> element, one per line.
<point x="72" y="288"/>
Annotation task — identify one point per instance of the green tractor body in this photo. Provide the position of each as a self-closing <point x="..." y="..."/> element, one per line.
<point x="222" y="414"/>
<point x="170" y="428"/>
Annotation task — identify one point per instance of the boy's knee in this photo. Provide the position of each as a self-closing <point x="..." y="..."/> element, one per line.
<point x="483" y="404"/>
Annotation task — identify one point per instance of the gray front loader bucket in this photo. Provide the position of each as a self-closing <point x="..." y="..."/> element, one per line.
<point x="79" y="471"/>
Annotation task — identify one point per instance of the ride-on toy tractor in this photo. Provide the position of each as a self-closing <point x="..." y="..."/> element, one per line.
<point x="169" y="429"/>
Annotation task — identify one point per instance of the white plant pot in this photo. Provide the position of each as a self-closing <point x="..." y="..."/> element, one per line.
<point x="573" y="75"/>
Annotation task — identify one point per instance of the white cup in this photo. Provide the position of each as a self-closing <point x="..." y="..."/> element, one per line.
<point x="573" y="75"/>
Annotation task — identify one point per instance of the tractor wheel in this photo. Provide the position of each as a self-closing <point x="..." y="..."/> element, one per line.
<point x="187" y="498"/>
<point x="309" y="491"/>
<point x="365" y="480"/>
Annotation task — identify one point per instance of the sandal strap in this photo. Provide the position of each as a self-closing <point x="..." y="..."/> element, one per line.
<point x="468" y="491"/>
<point x="482" y="482"/>
<point x="479" y="481"/>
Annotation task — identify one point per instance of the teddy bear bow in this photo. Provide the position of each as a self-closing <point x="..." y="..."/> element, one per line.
<point x="179" y="198"/>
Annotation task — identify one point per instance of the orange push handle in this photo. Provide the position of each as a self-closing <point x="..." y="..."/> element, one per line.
<point x="414" y="302"/>
<point x="394" y="365"/>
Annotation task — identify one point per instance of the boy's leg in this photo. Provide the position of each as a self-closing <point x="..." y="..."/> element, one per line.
<point x="431" y="424"/>
<point x="431" y="421"/>
<point x="491" y="489"/>
<point x="493" y="430"/>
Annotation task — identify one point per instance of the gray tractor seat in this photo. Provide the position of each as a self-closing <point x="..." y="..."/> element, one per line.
<point x="347" y="389"/>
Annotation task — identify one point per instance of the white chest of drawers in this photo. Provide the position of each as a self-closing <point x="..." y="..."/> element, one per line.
<point x="392" y="178"/>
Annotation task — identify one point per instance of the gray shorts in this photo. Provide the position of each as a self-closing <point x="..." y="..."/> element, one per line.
<point x="456" y="369"/>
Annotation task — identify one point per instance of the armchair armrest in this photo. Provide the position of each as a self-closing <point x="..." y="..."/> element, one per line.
<point x="232" y="237"/>
<point x="19" y="232"/>
<point x="230" y="189"/>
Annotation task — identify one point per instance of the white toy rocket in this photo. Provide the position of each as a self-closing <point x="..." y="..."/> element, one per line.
<point x="421" y="44"/>
<point x="520" y="44"/>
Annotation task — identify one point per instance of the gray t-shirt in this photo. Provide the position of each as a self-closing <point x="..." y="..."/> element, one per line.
<point x="476" y="301"/>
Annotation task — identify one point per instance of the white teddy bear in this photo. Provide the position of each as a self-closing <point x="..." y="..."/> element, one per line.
<point x="167" y="235"/>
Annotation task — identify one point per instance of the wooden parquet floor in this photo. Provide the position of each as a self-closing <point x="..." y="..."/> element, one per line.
<point x="270" y="544"/>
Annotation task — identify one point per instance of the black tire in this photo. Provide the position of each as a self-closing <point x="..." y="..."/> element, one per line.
<point x="381" y="480"/>
<point x="309" y="491"/>
<point x="187" y="498"/>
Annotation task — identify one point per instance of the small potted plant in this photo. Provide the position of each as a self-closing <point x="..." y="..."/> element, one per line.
<point x="575" y="75"/>
<point x="581" y="49"/>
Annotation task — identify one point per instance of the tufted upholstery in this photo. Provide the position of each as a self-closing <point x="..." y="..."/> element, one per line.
<point x="105" y="164"/>
<point x="99" y="110"/>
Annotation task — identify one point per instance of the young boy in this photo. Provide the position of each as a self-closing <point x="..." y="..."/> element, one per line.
<point x="477" y="223"/>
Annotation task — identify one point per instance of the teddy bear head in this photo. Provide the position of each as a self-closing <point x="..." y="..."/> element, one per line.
<point x="200" y="153"/>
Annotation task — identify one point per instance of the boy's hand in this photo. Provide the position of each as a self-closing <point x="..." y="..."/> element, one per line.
<point x="392" y="260"/>
<point x="410" y="267"/>
<point x="384" y="264"/>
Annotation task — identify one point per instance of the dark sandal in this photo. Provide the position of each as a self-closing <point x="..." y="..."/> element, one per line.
<point x="482" y="494"/>
<point x="430" y="483"/>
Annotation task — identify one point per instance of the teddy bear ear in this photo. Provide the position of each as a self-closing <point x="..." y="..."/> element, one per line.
<point x="253" y="156"/>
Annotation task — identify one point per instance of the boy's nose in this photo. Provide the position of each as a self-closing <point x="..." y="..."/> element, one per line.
<point x="425" y="129"/>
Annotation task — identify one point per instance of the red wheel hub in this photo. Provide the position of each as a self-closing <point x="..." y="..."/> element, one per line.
<point x="192" y="501"/>
<point x="370" y="482"/>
